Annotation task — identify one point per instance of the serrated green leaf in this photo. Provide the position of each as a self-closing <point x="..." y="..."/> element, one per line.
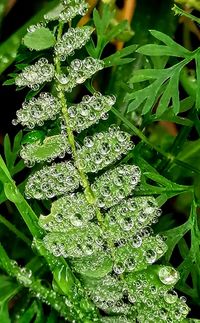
<point x="142" y="75"/>
<point x="118" y="57"/>
<point x="11" y="153"/>
<point x="165" y="87"/>
<point x="41" y="38"/>
<point x="180" y="50"/>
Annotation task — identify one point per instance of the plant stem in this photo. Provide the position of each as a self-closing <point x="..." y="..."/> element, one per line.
<point x="26" y="279"/>
<point x="61" y="93"/>
<point x="178" y="11"/>
<point x="13" y="194"/>
<point x="17" y="232"/>
<point x="89" y="194"/>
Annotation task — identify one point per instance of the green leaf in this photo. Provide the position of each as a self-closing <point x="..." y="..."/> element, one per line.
<point x="164" y="89"/>
<point x="41" y="38"/>
<point x="4" y="314"/>
<point x="8" y="288"/>
<point x="7" y="151"/>
<point x="9" y="82"/>
<point x="118" y="57"/>
<point x="106" y="30"/>
<point x="142" y="75"/>
<point x="96" y="266"/>
<point x="197" y="60"/>
<point x="51" y="148"/>
<point x="180" y="50"/>
<point x="190" y="151"/>
<point x="158" y="50"/>
<point x="29" y="314"/>
<point x="11" y="153"/>
<point x="63" y="280"/>
<point x="33" y="136"/>
<point x="168" y="115"/>
<point x="174" y="236"/>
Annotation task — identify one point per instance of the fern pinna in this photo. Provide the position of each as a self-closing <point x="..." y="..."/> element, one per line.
<point x="95" y="221"/>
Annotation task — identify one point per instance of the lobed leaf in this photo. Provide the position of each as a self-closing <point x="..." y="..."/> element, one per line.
<point x="39" y="39"/>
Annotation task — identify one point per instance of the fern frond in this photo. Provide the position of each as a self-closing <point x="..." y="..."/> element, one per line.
<point x="97" y="224"/>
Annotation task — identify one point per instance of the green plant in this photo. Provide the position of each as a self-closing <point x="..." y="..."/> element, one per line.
<point x="97" y="240"/>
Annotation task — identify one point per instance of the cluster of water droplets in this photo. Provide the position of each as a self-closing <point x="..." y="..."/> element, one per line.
<point x="72" y="9"/>
<point x="116" y="184"/>
<point x="37" y="110"/>
<point x="103" y="148"/>
<point x="137" y="252"/>
<point x="51" y="181"/>
<point x="151" y="292"/>
<point x="133" y="214"/>
<point x="22" y="274"/>
<point x="33" y="28"/>
<point x="117" y="319"/>
<point x="107" y="293"/>
<point x="66" y="10"/>
<point x="89" y="111"/>
<point x="35" y="75"/>
<point x="73" y="39"/>
<point x="48" y="150"/>
<point x="71" y="211"/>
<point x="78" y="242"/>
<point x="79" y="71"/>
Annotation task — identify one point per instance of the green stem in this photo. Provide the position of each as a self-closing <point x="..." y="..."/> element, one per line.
<point x="89" y="194"/>
<point x="13" y="194"/>
<point x="31" y="220"/>
<point x="17" y="232"/>
<point x="61" y="93"/>
<point x="29" y="281"/>
<point x="178" y="11"/>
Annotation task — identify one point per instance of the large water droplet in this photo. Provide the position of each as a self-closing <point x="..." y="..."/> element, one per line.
<point x="168" y="275"/>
